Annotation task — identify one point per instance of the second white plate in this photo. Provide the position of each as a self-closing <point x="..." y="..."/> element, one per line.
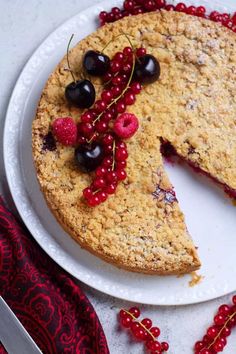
<point x="210" y="216"/>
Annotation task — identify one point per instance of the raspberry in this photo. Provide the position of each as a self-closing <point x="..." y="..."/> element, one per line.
<point x="65" y="130"/>
<point x="126" y="125"/>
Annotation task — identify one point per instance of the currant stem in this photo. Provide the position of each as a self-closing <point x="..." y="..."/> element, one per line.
<point x="122" y="93"/>
<point x="67" y="57"/>
<point x="142" y="325"/>
<point x="224" y="326"/>
<point x="113" y="153"/>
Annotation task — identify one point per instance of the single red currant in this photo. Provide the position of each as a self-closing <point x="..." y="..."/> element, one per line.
<point x="121" y="175"/>
<point x="147" y="322"/>
<point x="121" y="154"/>
<point x="212" y="332"/>
<point x="87" y="193"/>
<point x="219" y="319"/>
<point x="181" y="7"/>
<point x="100" y="171"/>
<point x="191" y="10"/>
<point x="111" y="188"/>
<point x="224" y="310"/>
<point x="136" y="87"/>
<point x="99" y="183"/>
<point x="140" y="52"/>
<point x="107" y="96"/>
<point x="135" y="311"/>
<point x="103" y="15"/>
<point x="126" y="321"/>
<point x="170" y="8"/>
<point x="200" y="11"/>
<point x="101" y="126"/>
<point x="164" y="346"/>
<point x="234" y="299"/>
<point x="218" y="347"/>
<point x="129" y="5"/>
<point x="160" y="4"/>
<point x="100" y="106"/>
<point x="155" y="331"/>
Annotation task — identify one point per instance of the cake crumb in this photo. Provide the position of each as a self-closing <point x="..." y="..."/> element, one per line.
<point x="195" y="279"/>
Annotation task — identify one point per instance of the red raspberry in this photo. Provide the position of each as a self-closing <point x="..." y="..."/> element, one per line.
<point x="65" y="130"/>
<point x="126" y="125"/>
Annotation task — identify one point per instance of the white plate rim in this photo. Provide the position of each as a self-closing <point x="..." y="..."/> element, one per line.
<point x="102" y="5"/>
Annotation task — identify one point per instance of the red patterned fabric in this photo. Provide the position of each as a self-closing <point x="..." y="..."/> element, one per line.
<point x="47" y="301"/>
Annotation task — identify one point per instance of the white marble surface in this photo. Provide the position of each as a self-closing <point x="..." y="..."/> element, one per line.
<point x="23" y="26"/>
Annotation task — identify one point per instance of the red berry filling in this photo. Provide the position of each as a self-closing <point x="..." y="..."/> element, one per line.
<point x="126" y="125"/>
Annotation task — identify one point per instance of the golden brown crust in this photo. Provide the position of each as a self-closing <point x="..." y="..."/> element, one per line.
<point x="192" y="106"/>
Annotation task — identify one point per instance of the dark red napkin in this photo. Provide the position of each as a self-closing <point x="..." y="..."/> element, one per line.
<point x="47" y="300"/>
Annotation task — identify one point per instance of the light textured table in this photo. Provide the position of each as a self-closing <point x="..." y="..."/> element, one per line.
<point x="23" y="26"/>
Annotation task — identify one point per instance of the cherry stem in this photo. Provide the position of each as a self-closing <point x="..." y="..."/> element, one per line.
<point x="67" y="58"/>
<point x="121" y="34"/>
<point x="141" y="324"/>
<point x="224" y="326"/>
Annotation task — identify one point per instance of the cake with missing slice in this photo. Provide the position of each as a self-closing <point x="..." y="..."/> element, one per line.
<point x="192" y="108"/>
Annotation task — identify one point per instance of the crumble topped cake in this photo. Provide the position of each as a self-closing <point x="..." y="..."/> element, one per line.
<point x="192" y="107"/>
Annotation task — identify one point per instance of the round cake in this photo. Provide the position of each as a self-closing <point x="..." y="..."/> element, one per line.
<point x="191" y="108"/>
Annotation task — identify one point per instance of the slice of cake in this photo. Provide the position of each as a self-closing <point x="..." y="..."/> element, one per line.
<point x="192" y="107"/>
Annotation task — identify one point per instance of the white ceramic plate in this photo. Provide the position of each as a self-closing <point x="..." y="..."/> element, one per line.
<point x="210" y="216"/>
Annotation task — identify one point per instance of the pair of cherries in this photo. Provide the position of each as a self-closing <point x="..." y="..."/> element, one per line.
<point x="82" y="94"/>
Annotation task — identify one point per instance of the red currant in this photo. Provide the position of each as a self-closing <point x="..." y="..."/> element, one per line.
<point x="226" y="332"/>
<point x="212" y="332"/>
<point x="129" y="5"/>
<point x="115" y="66"/>
<point x="191" y="10"/>
<point x="234" y="299"/>
<point x="149" y="5"/>
<point x="101" y="126"/>
<point x="147" y="323"/>
<point x="111" y="188"/>
<point x="206" y="351"/>
<point x="103" y="15"/>
<point x="100" y="171"/>
<point x="127" y="51"/>
<point x="107" y="162"/>
<point x="111" y="177"/>
<point x="121" y="154"/>
<point x="170" y="8"/>
<point x="219" y="319"/>
<point x="120" y="106"/>
<point x="99" y="183"/>
<point x="213" y="15"/>
<point x="100" y="106"/>
<point x="93" y="200"/>
<point x="136" y="87"/>
<point x="155" y="331"/>
<point x="135" y="311"/>
<point x="126" y="321"/>
<point x="181" y="7"/>
<point x="129" y="98"/>
<point x="115" y="10"/>
<point x="160" y="4"/>
<point x="107" y="96"/>
<point x="218" y="347"/>
<point x="87" y="192"/>
<point x="121" y="175"/>
<point x="224" y="310"/>
<point x="140" y="52"/>
<point x="200" y="11"/>
<point x="164" y="346"/>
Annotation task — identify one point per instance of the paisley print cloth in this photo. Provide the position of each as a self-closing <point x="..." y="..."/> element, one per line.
<point x="48" y="301"/>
